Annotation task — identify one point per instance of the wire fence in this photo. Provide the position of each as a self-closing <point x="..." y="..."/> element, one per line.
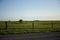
<point x="32" y="29"/>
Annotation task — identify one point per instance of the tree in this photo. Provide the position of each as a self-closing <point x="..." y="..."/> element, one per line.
<point x="20" y="20"/>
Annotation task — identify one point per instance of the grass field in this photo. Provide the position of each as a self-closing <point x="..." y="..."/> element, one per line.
<point x="27" y="27"/>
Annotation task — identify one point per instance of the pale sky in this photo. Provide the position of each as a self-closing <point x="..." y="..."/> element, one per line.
<point x="30" y="9"/>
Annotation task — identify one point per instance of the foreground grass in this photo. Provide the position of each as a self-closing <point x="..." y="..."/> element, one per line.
<point x="26" y="27"/>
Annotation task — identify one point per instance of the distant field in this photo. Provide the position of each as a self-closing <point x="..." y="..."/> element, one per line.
<point x="27" y="27"/>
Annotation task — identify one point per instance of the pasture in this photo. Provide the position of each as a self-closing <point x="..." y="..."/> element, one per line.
<point x="14" y="27"/>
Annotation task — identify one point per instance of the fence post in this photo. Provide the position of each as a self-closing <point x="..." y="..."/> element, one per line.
<point x="52" y="25"/>
<point x="33" y="25"/>
<point x="6" y="25"/>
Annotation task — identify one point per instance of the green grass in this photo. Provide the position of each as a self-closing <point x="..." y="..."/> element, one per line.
<point x="26" y="27"/>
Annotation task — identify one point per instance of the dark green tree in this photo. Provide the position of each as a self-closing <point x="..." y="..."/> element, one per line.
<point x="20" y="20"/>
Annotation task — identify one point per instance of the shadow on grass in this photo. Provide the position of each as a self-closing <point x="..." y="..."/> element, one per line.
<point x="26" y="32"/>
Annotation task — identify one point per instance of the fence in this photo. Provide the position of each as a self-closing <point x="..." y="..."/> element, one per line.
<point x="25" y="30"/>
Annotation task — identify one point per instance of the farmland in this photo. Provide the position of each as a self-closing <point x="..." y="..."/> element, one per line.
<point x="14" y="27"/>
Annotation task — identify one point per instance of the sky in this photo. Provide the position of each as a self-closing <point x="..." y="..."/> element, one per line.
<point x="29" y="10"/>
